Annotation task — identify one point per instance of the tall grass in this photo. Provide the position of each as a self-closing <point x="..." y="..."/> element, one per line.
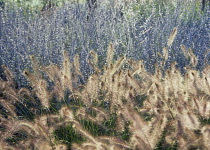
<point x="125" y="76"/>
<point x="118" y="108"/>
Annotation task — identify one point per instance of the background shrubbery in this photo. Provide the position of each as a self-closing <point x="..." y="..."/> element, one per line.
<point x="138" y="30"/>
<point x="101" y="99"/>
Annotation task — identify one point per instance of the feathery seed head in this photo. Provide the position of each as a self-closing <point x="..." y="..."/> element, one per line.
<point x="172" y="36"/>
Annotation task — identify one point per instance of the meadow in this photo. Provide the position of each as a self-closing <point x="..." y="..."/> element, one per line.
<point x="126" y="75"/>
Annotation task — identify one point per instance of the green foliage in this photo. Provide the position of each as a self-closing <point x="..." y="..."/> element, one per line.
<point x="107" y="128"/>
<point x="35" y="4"/>
<point x="147" y="116"/>
<point x="204" y="121"/>
<point x="93" y="128"/>
<point x="139" y="99"/>
<point x="16" y="137"/>
<point x="76" y="100"/>
<point x="67" y="135"/>
<point x="104" y="103"/>
<point x="75" y="103"/>
<point x="91" y="112"/>
<point x="190" y="11"/>
<point x="125" y="135"/>
<point x="111" y="123"/>
<point x="160" y="8"/>
<point x="55" y="105"/>
<point x="23" y="111"/>
<point x="163" y="145"/>
<point x="124" y="100"/>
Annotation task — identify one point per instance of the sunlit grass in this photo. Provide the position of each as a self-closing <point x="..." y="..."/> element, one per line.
<point x="114" y="109"/>
<point x="134" y="81"/>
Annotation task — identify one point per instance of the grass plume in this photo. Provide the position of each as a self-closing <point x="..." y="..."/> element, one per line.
<point x="172" y="36"/>
<point x="109" y="111"/>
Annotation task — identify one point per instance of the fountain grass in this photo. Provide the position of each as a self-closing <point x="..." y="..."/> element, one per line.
<point x="111" y="82"/>
<point x="112" y="110"/>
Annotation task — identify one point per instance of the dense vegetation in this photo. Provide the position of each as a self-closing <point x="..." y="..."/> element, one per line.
<point x="126" y="75"/>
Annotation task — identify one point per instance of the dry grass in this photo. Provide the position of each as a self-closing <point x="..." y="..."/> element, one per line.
<point x="176" y="108"/>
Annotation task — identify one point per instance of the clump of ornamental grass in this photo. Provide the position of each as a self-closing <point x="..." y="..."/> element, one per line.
<point x="121" y="106"/>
